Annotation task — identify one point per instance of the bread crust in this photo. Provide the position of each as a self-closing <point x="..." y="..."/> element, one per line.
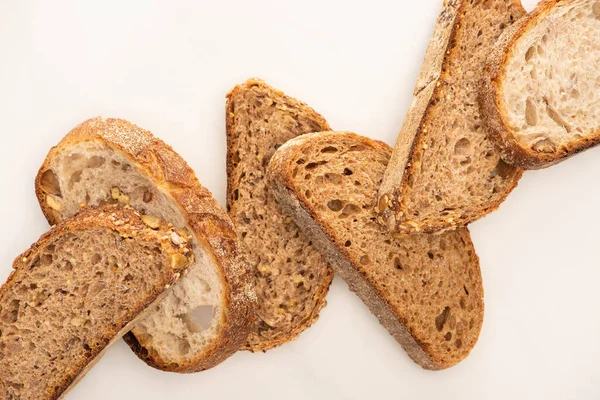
<point x="231" y="144"/>
<point x="427" y="91"/>
<point x="281" y="183"/>
<point x="495" y="114"/>
<point x="206" y="218"/>
<point x="94" y="218"/>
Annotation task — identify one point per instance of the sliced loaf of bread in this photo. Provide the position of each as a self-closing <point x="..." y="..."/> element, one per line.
<point x="77" y="290"/>
<point x="208" y="316"/>
<point x="426" y="290"/>
<point x="292" y="277"/>
<point x="541" y="85"/>
<point x="444" y="171"/>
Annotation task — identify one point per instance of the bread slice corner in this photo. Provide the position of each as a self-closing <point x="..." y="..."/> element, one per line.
<point x="540" y="85"/>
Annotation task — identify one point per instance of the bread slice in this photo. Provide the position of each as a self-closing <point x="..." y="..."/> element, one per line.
<point x="444" y="171"/>
<point x="426" y="290"/>
<point x="208" y="316"/>
<point x="79" y="289"/>
<point x="292" y="279"/>
<point x="540" y="86"/>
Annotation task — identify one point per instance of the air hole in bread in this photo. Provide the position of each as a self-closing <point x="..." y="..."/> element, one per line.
<point x="364" y="260"/>
<point x="49" y="183"/>
<point x="301" y="161"/>
<point x="531" y="115"/>
<point x="441" y="319"/>
<point x="308" y="194"/>
<point x="96" y="258"/>
<point x="448" y="336"/>
<point x="397" y="263"/>
<point x="347" y="172"/>
<point x="462" y="146"/>
<point x="75" y="178"/>
<point x="596" y="10"/>
<point x="458" y="343"/>
<point x="96" y="162"/>
<point x="46" y="259"/>
<point x="333" y="178"/>
<point x="351" y="209"/>
<point x="503" y="170"/>
<point x="314" y="165"/>
<point x="335" y="205"/>
<point x="530" y="53"/>
<point x="329" y="149"/>
<point x="198" y="319"/>
<point x="430" y="255"/>
<point x="466" y="290"/>
<point x="348" y="243"/>
<point x="544" y="146"/>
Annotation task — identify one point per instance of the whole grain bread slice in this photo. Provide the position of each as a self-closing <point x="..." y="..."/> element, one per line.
<point x="444" y="171"/>
<point x="291" y="277"/>
<point x="426" y="290"/>
<point x="541" y="85"/>
<point x="208" y="316"/>
<point x="77" y="290"/>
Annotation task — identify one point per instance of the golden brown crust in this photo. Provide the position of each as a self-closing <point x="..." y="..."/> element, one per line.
<point x="231" y="145"/>
<point x="281" y="183"/>
<point x="129" y="224"/>
<point x="427" y="94"/>
<point x="205" y="216"/>
<point x="494" y="112"/>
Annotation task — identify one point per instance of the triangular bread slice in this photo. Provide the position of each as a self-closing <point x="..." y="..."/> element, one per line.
<point x="208" y="316"/>
<point x="426" y="290"/>
<point x="77" y="290"/>
<point x="292" y="278"/>
<point x="444" y="171"/>
<point x="540" y="87"/>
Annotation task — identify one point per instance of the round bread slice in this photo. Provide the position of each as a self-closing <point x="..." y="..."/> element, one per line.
<point x="79" y="289"/>
<point x="539" y="95"/>
<point x="208" y="316"/>
<point x="426" y="290"/>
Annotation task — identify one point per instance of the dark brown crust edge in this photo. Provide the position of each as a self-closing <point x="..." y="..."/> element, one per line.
<point x="208" y="220"/>
<point x="395" y="191"/>
<point x="91" y="219"/>
<point x="230" y="124"/>
<point x="281" y="184"/>
<point x="493" y="109"/>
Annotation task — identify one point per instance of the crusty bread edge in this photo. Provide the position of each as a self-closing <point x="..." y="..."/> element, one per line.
<point x="293" y="205"/>
<point x="211" y="225"/>
<point x="495" y="115"/>
<point x="405" y="150"/>
<point x="231" y="144"/>
<point x="88" y="220"/>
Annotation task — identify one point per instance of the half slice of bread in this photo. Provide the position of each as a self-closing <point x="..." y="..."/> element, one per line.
<point x="444" y="171"/>
<point x="292" y="279"/>
<point x="77" y="290"/>
<point x="426" y="290"/>
<point x="542" y="84"/>
<point x="208" y="316"/>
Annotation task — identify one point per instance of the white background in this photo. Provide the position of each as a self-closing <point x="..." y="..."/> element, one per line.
<point x="167" y="65"/>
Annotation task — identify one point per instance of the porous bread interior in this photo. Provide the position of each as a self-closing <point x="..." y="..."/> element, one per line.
<point x="291" y="277"/>
<point x="551" y="85"/>
<point x="68" y="302"/>
<point x="190" y="316"/>
<point x="432" y="282"/>
<point x="455" y="171"/>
